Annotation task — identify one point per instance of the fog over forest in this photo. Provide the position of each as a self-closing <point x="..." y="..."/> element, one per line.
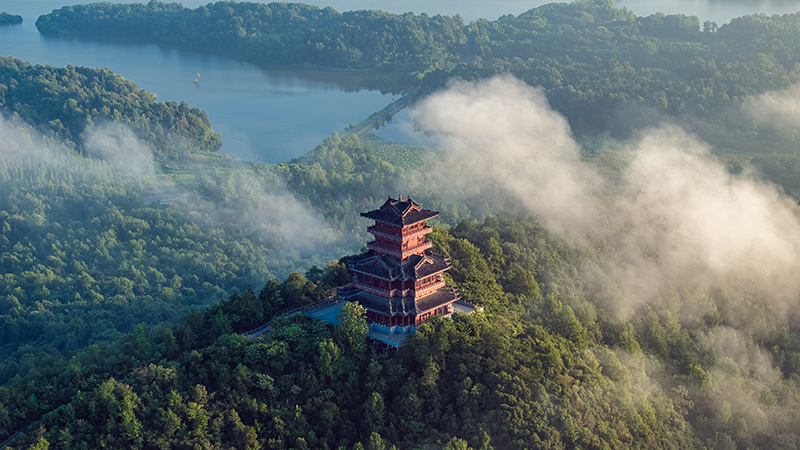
<point x="675" y="216"/>
<point x="617" y="202"/>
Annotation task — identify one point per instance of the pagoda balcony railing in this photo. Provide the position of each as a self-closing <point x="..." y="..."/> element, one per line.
<point x="375" y="231"/>
<point x="376" y="290"/>
<point x="396" y="237"/>
<point x="427" y="289"/>
<point x="423" y="230"/>
<point x="404" y="254"/>
<point x="399" y="293"/>
<point x="383" y="249"/>
<point x="421" y="247"/>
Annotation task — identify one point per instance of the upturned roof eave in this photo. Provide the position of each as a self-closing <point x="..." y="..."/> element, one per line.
<point x="408" y="271"/>
<point x="398" y="221"/>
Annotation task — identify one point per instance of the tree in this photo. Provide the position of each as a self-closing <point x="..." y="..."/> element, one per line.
<point x="457" y="444"/>
<point x="352" y="329"/>
<point x="374" y="411"/>
<point x="41" y="444"/>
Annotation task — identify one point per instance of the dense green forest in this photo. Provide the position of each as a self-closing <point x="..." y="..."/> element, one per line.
<point x="292" y="33"/>
<point x="69" y="101"/>
<point x="609" y="72"/>
<point x="85" y="258"/>
<point x="9" y="19"/>
<point x="119" y="312"/>
<point x="588" y="55"/>
<point x="87" y="250"/>
<point x="551" y="364"/>
<point x="546" y="366"/>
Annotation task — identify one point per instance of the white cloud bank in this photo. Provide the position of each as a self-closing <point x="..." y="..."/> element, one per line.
<point x="677" y="214"/>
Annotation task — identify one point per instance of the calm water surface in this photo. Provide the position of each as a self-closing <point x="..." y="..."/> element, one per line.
<point x="266" y="115"/>
<point x="273" y="115"/>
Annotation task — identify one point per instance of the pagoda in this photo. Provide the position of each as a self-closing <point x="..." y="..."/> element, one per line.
<point x="398" y="281"/>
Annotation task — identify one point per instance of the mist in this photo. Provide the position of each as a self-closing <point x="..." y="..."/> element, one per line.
<point x="19" y="142"/>
<point x="255" y="207"/>
<point x="777" y="108"/>
<point x="502" y="133"/>
<point x="675" y="213"/>
<point x="674" y="216"/>
<point x="117" y="145"/>
<point x="263" y="209"/>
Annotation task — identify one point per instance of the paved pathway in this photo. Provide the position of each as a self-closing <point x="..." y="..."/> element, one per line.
<point x="14" y="436"/>
<point x="393" y="108"/>
<point x="328" y="313"/>
<point x="326" y="305"/>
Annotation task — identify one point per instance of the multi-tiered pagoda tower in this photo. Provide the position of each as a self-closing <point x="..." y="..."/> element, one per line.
<point x="398" y="281"/>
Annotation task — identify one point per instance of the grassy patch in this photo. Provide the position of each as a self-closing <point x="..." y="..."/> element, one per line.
<point x="399" y="155"/>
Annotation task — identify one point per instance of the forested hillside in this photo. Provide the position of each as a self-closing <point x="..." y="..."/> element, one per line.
<point x="609" y="72"/>
<point x="87" y="250"/>
<point x="9" y="19"/>
<point x="67" y="102"/>
<point x="639" y="281"/>
<point x="589" y="56"/>
<point x="547" y="366"/>
<point x="292" y="33"/>
<point x="85" y="255"/>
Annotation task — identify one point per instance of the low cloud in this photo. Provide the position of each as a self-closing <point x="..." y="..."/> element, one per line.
<point x="253" y="206"/>
<point x="686" y="234"/>
<point x="502" y="133"/>
<point x="23" y="149"/>
<point x="263" y="209"/>
<point x="675" y="214"/>
<point x="681" y="210"/>
<point x="19" y="142"/>
<point x="778" y="108"/>
<point x="117" y="145"/>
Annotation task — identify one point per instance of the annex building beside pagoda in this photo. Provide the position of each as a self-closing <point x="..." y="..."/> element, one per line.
<point x="398" y="280"/>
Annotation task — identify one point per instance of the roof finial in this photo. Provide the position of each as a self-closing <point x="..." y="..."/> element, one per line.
<point x="400" y="197"/>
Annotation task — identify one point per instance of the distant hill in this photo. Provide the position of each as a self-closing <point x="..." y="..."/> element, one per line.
<point x="69" y="101"/>
<point x="276" y="33"/>
<point x="9" y="19"/>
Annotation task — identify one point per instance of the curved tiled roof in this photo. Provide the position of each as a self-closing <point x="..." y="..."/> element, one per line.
<point x="387" y="268"/>
<point x="400" y="213"/>
<point x="402" y="306"/>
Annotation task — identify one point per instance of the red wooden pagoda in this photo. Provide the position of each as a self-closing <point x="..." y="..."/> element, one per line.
<point x="398" y="281"/>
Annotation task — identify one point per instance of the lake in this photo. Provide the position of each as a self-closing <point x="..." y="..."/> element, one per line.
<point x="266" y="115"/>
<point x="276" y="114"/>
